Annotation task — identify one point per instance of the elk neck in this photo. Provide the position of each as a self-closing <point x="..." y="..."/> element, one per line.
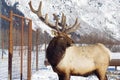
<point x="56" y="49"/>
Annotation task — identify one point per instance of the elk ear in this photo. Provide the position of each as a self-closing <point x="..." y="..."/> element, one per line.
<point x="54" y="33"/>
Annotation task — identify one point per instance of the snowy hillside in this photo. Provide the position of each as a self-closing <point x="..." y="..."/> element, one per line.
<point x="98" y="17"/>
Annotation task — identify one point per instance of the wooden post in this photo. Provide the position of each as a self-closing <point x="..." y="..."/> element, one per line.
<point x="37" y="32"/>
<point x="0" y="28"/>
<point x="29" y="51"/>
<point x="2" y="39"/>
<point x="45" y="62"/>
<point x="10" y="47"/>
<point x="2" y="45"/>
<point x="45" y="40"/>
<point x="21" y="66"/>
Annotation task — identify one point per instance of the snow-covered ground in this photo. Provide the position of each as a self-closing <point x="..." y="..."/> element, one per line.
<point x="48" y="74"/>
<point x="44" y="73"/>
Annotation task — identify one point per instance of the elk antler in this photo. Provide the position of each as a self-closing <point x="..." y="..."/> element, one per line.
<point x="39" y="14"/>
<point x="74" y="27"/>
<point x="59" y="26"/>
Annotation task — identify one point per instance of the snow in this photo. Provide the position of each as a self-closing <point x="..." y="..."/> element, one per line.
<point x="100" y="15"/>
<point x="115" y="55"/>
<point x="44" y="72"/>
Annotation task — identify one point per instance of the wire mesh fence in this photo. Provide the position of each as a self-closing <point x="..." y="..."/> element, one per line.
<point x="16" y="42"/>
<point x="3" y="51"/>
<point x="20" y="51"/>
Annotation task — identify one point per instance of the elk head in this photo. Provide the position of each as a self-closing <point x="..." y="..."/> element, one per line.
<point x="62" y="29"/>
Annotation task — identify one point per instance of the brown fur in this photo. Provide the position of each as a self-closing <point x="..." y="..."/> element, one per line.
<point x="56" y="49"/>
<point x="67" y="59"/>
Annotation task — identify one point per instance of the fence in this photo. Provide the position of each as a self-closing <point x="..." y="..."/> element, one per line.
<point x="20" y="51"/>
<point x="17" y="41"/>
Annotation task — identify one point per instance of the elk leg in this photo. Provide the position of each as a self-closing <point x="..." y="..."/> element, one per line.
<point x="64" y="77"/>
<point x="102" y="73"/>
<point x="67" y="77"/>
<point x="61" y="76"/>
<point x="106" y="77"/>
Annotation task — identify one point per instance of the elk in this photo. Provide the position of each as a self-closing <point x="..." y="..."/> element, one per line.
<point x="68" y="59"/>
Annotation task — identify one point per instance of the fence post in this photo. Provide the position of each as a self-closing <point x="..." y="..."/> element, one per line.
<point x="21" y="66"/>
<point x="0" y="34"/>
<point x="10" y="47"/>
<point x="2" y="39"/>
<point x="37" y="32"/>
<point x="45" y="40"/>
<point x="2" y="45"/>
<point x="29" y="50"/>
